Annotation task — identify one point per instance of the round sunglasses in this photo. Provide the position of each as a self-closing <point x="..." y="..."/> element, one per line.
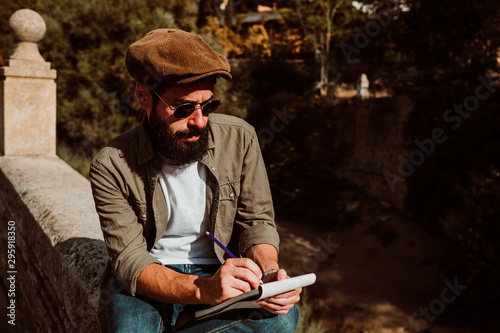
<point x="185" y="110"/>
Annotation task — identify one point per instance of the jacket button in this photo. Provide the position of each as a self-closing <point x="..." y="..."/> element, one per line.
<point x="231" y="195"/>
<point x="143" y="216"/>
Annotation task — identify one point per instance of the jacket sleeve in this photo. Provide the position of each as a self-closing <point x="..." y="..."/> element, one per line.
<point x="255" y="212"/>
<point x="123" y="234"/>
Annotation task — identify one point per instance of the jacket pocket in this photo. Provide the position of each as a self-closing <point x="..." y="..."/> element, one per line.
<point x="227" y="208"/>
<point x="229" y="191"/>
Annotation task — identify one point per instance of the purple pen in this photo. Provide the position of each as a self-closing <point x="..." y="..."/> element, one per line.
<point x="220" y="244"/>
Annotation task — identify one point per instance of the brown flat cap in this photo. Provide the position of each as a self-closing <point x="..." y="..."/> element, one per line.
<point x="176" y="56"/>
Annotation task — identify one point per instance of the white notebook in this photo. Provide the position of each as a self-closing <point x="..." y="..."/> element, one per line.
<point x="248" y="300"/>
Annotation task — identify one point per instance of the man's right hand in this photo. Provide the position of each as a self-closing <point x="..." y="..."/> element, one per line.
<point x="233" y="278"/>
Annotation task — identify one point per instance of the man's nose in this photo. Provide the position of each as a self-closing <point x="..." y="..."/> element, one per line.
<point x="196" y="118"/>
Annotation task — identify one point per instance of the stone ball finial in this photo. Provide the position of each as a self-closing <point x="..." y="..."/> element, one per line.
<point x="27" y="25"/>
<point x="29" y="28"/>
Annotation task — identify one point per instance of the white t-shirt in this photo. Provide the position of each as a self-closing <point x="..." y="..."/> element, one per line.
<point x="185" y="240"/>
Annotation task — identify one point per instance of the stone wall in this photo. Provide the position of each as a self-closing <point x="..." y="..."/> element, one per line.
<point x="376" y="139"/>
<point x="60" y="253"/>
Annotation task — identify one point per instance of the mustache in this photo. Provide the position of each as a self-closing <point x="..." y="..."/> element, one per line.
<point x="190" y="132"/>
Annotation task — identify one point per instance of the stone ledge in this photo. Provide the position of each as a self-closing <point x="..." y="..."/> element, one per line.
<point x="28" y="72"/>
<point x="60" y="252"/>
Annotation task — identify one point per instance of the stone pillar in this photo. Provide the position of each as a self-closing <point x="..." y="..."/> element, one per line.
<point x="362" y="86"/>
<point x="27" y="92"/>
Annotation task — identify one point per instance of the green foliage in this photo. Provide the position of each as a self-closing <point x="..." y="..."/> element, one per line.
<point x="315" y="19"/>
<point x="7" y="8"/>
<point x="78" y="162"/>
<point x="86" y="42"/>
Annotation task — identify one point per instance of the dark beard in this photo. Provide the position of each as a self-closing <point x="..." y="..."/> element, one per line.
<point x="169" y="144"/>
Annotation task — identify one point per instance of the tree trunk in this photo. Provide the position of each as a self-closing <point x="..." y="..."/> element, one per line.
<point x="324" y="76"/>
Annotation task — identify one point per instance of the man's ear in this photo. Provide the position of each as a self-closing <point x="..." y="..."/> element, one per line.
<point x="143" y="95"/>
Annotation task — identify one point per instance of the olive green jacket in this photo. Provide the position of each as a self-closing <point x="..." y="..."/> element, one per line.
<point x="133" y="211"/>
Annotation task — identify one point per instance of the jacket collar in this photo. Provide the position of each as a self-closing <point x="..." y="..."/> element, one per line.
<point x="146" y="150"/>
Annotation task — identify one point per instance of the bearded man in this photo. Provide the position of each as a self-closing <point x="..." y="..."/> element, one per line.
<point x="158" y="189"/>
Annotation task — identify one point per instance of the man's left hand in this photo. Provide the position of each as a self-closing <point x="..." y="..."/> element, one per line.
<point x="280" y="304"/>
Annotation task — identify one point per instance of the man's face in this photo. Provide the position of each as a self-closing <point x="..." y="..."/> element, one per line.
<point x="183" y="141"/>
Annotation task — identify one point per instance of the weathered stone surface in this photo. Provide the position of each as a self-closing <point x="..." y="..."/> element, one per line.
<point x="28" y="120"/>
<point x="29" y="27"/>
<point x="375" y="141"/>
<point x="60" y="253"/>
<point x="27" y="92"/>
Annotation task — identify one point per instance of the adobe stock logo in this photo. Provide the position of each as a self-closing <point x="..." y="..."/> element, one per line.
<point x="437" y="306"/>
<point x="310" y="264"/>
<point x="277" y="124"/>
<point x="427" y="147"/>
<point x="364" y="38"/>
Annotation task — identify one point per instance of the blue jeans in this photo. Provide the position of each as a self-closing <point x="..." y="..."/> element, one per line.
<point x="125" y="313"/>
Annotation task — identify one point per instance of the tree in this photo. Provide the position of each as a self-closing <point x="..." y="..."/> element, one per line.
<point x="317" y="19"/>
